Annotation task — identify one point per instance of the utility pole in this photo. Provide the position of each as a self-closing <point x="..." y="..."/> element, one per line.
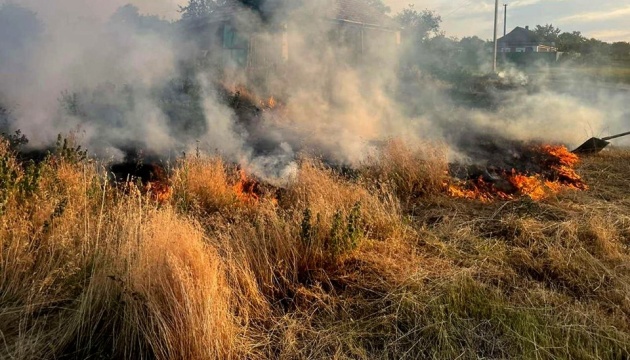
<point x="505" y="19"/>
<point x="496" y="45"/>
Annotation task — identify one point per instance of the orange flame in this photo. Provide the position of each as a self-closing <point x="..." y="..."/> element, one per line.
<point x="531" y="186"/>
<point x="159" y="191"/>
<point x="559" y="174"/>
<point x="271" y="103"/>
<point x="246" y="188"/>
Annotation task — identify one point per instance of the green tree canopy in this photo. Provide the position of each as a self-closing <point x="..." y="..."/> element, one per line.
<point x="547" y="33"/>
<point x="419" y="25"/>
<point x="570" y="42"/>
<point x="620" y="50"/>
<point x="595" y="46"/>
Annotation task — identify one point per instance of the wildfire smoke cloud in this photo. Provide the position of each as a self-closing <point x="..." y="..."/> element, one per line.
<point x="132" y="81"/>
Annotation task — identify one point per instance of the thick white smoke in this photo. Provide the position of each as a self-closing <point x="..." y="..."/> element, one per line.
<point x="125" y="80"/>
<point x="79" y="51"/>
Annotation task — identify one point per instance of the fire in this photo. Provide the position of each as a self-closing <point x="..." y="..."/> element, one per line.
<point x="271" y="103"/>
<point x="159" y="191"/>
<point x="531" y="186"/>
<point x="242" y="96"/>
<point x="549" y="169"/>
<point x="246" y="189"/>
<point x="151" y="179"/>
<point x="473" y="191"/>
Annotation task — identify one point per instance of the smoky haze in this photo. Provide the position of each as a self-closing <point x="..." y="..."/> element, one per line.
<point x="122" y="80"/>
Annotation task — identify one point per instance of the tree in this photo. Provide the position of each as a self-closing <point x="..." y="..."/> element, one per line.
<point x="620" y="50"/>
<point x="197" y="9"/>
<point x="379" y="5"/>
<point x="419" y="25"/>
<point x="474" y="52"/>
<point x="472" y="44"/>
<point x="202" y="8"/>
<point x="547" y="33"/>
<point x="595" y="52"/>
<point x="129" y="17"/>
<point x="570" y="42"/>
<point x="426" y="48"/>
<point x="595" y="46"/>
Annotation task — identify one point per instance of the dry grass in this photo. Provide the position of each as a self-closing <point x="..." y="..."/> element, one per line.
<point x="619" y="73"/>
<point x="411" y="172"/>
<point x="380" y="265"/>
<point x="202" y="185"/>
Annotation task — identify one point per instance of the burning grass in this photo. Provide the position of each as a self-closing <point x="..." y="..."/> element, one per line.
<point x="542" y="171"/>
<point x="383" y="264"/>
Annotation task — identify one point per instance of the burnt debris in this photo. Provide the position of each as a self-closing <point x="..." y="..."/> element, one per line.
<point x="145" y="173"/>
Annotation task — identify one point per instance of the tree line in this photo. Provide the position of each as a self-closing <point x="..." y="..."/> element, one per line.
<point x="576" y="43"/>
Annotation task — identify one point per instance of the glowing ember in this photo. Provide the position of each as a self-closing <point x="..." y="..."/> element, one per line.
<point x="271" y="103"/>
<point x="546" y="170"/>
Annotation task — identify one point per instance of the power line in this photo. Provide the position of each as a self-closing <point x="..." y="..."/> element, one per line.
<point x="463" y="5"/>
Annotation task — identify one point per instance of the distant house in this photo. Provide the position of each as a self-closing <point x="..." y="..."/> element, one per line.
<point x="523" y="40"/>
<point x="231" y="44"/>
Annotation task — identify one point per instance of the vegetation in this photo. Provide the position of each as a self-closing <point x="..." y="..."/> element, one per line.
<point x="200" y="8"/>
<point x="575" y="42"/>
<point x="619" y="73"/>
<point x="128" y="18"/>
<point x="373" y="262"/>
<point x="419" y="25"/>
<point x="196" y="9"/>
<point x="378" y="265"/>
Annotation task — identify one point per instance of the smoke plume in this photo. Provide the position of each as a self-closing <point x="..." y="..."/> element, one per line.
<point x="122" y="80"/>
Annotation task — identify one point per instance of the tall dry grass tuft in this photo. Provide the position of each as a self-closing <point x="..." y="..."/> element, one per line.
<point x="177" y="302"/>
<point x="202" y="184"/>
<point x="324" y="193"/>
<point x="412" y="171"/>
<point x="320" y="220"/>
<point x="88" y="273"/>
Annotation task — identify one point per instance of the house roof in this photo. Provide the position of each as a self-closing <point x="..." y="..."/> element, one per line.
<point x="520" y="36"/>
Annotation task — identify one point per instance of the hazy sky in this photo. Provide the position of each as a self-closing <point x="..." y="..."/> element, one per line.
<point x="604" y="19"/>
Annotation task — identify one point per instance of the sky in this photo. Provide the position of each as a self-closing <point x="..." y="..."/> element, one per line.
<point x="606" y="20"/>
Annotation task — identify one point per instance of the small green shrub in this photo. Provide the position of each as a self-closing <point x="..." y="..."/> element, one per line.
<point x="66" y="150"/>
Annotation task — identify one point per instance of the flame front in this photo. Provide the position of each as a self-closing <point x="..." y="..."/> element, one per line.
<point x="160" y="191"/>
<point x="557" y="174"/>
<point x="246" y="188"/>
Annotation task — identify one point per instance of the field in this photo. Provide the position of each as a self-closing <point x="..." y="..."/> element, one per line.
<point x="618" y="73"/>
<point x="374" y="263"/>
